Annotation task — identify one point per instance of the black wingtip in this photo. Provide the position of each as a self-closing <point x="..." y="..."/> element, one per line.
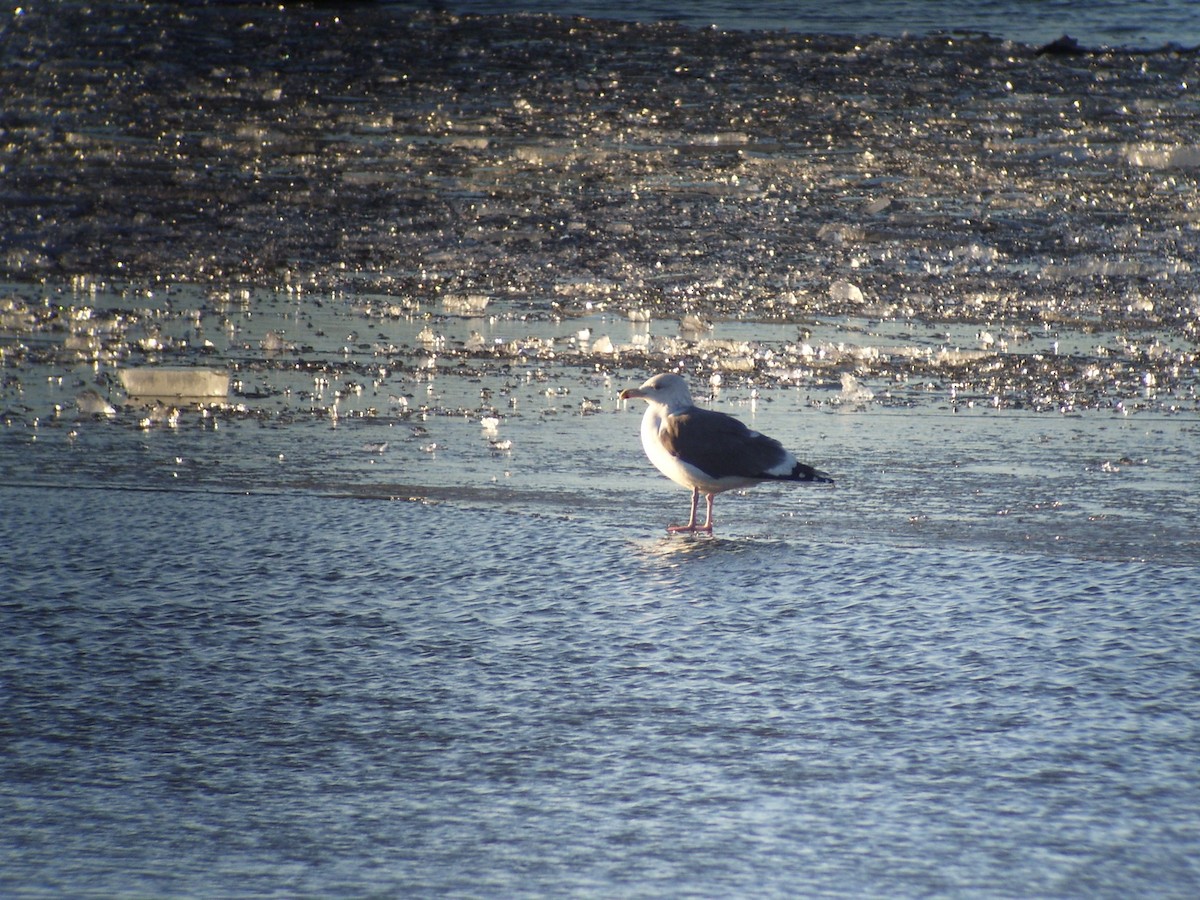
<point x="807" y="473"/>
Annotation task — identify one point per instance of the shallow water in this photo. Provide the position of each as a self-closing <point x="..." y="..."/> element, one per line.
<point x="216" y="693"/>
<point x="257" y="653"/>
<point x="351" y="402"/>
<point x="398" y="615"/>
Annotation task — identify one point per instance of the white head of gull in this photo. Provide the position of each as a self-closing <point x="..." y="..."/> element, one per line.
<point x="708" y="451"/>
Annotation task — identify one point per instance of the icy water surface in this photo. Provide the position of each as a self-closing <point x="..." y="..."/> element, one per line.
<point x="396" y="613"/>
<point x="221" y="694"/>
<point x="1094" y="23"/>
<point x="429" y="638"/>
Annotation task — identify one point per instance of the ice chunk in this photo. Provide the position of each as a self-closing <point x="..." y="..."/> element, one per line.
<point x="854" y="391"/>
<point x="274" y="342"/>
<point x="845" y="292"/>
<point x="737" y="363"/>
<point x="162" y="381"/>
<point x="876" y="206"/>
<point x="724" y="139"/>
<point x="15" y="317"/>
<point x="465" y="304"/>
<point x="86" y="345"/>
<point x="90" y="403"/>
<point x="1155" y="156"/>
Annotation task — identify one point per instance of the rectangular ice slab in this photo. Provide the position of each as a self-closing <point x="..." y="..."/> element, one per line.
<point x="184" y="382"/>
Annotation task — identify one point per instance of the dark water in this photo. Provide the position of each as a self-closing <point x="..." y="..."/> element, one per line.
<point x="221" y="694"/>
<point x="1095" y="23"/>
<point x="397" y="615"/>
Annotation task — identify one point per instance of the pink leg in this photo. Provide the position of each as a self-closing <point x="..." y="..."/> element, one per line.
<point x="691" y="527"/>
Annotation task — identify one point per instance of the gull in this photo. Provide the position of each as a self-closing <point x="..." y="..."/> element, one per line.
<point x="708" y="451"/>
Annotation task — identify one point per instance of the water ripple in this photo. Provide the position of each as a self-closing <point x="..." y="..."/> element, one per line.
<point x="327" y="695"/>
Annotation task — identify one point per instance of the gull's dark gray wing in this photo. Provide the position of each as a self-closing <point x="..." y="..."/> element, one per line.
<point x="721" y="446"/>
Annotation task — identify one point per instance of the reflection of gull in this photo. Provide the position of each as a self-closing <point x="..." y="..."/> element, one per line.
<point x="706" y="450"/>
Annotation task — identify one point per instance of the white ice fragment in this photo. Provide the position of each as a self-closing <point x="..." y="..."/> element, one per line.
<point x="1158" y="156"/>
<point x="724" y="138"/>
<point x="164" y="381"/>
<point x="273" y="342"/>
<point x="465" y="304"/>
<point x="854" y="391"/>
<point x="957" y="357"/>
<point x="736" y="363"/>
<point x="1075" y="154"/>
<point x="840" y="233"/>
<point x="90" y="403"/>
<point x="603" y="346"/>
<point x="15" y="316"/>
<point x="84" y="344"/>
<point x="876" y="206"/>
<point x="845" y="292"/>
